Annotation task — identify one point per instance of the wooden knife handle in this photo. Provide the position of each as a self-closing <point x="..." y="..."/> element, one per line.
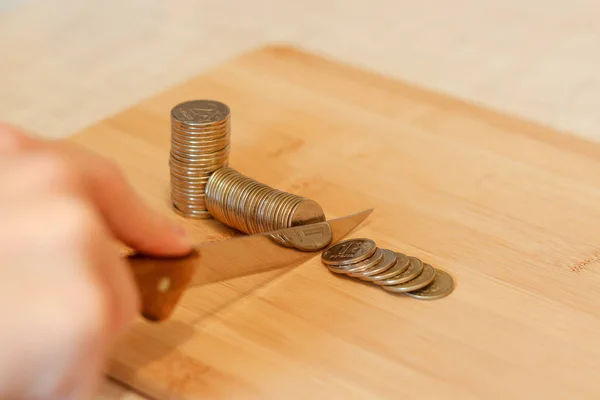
<point x="161" y="282"/>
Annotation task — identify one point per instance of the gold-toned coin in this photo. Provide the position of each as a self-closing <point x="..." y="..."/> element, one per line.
<point x="178" y="147"/>
<point x="415" y="267"/>
<point x="399" y="266"/>
<point x="269" y="211"/>
<point x="359" y="266"/>
<point x="201" y="141"/>
<point x="201" y="132"/>
<point x="242" y="206"/>
<point x="310" y="237"/>
<point x="441" y="286"/>
<point x="306" y="212"/>
<point x="387" y="261"/>
<point x="284" y="210"/>
<point x="200" y="112"/>
<point x="424" y="279"/>
<point x="305" y="237"/>
<point x="231" y="197"/>
<point x="253" y="207"/>
<point x="349" y="251"/>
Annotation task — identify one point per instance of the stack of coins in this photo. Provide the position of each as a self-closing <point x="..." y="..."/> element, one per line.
<point x="392" y="271"/>
<point x="200" y="143"/>
<point x="253" y="207"/>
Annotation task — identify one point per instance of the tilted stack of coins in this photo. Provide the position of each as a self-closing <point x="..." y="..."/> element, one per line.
<point x="253" y="207"/>
<point x="393" y="271"/>
<point x="200" y="144"/>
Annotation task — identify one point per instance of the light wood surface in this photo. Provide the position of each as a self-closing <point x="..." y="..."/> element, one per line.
<point x="67" y="63"/>
<point x="509" y="208"/>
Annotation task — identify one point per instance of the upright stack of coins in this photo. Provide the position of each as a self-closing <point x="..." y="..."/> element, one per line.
<point x="394" y="272"/>
<point x="253" y="207"/>
<point x="200" y="144"/>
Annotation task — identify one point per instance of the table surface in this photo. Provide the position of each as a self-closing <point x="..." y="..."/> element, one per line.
<point x="63" y="68"/>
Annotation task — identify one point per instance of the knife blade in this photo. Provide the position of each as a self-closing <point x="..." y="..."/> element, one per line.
<point x="162" y="281"/>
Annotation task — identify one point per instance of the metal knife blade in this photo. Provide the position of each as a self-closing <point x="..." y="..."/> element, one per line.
<point x="163" y="280"/>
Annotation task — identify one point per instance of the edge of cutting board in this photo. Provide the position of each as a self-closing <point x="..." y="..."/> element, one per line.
<point x="519" y="124"/>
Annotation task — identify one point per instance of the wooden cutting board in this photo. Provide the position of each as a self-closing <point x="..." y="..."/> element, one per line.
<point x="511" y="209"/>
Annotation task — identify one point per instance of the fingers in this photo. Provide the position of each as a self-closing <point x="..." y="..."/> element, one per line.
<point x="131" y="220"/>
<point x="122" y="295"/>
<point x="59" y="317"/>
<point x="127" y="216"/>
<point x="36" y="179"/>
<point x="36" y="174"/>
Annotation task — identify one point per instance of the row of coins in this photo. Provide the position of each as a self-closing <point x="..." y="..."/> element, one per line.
<point x="253" y="207"/>
<point x="200" y="145"/>
<point x="392" y="271"/>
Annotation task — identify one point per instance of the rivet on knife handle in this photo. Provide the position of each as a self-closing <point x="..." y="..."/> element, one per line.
<point x="161" y="282"/>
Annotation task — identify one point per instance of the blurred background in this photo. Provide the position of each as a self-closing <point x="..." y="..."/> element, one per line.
<point x="67" y="63"/>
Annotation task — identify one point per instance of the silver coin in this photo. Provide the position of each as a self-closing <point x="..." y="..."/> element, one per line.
<point x="387" y="262"/>
<point x="185" y="187"/>
<point x="201" y="132"/>
<point x="359" y="266"/>
<point x="415" y="267"/>
<point x="401" y="265"/>
<point x="310" y="237"/>
<point x="184" y="148"/>
<point x="424" y="279"/>
<point x="441" y="286"/>
<point x="349" y="251"/>
<point x="200" y="112"/>
<point x="306" y="212"/>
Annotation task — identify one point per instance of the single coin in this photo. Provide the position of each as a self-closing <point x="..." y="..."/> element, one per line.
<point x="415" y="267"/>
<point x="399" y="266"/>
<point x="387" y="261"/>
<point x="349" y="251"/>
<point x="307" y="212"/>
<point x="442" y="286"/>
<point x="359" y="266"/>
<point x="424" y="279"/>
<point x="200" y="112"/>
<point x="310" y="237"/>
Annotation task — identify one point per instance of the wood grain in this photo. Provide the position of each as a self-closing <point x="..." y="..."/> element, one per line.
<point x="509" y="208"/>
<point x="525" y="57"/>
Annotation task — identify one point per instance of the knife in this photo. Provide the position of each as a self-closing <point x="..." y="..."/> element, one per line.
<point x="162" y="281"/>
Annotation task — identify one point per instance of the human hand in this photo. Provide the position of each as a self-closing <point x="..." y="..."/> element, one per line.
<point x="65" y="292"/>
